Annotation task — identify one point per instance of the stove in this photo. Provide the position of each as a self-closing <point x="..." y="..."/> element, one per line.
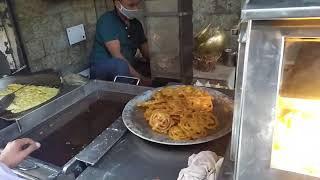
<point x="75" y="130"/>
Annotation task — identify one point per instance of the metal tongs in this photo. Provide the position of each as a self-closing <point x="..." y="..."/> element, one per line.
<point x="8" y="99"/>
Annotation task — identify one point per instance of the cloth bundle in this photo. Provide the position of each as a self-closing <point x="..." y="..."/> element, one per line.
<point x="202" y="166"/>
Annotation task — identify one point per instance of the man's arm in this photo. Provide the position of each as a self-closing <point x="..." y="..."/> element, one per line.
<point x="114" y="49"/>
<point x="110" y="38"/>
<point x="144" y="49"/>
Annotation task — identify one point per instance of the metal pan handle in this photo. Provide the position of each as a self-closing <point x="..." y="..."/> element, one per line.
<point x="127" y="77"/>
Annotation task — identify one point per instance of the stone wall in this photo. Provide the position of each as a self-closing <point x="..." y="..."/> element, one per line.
<point x="43" y="26"/>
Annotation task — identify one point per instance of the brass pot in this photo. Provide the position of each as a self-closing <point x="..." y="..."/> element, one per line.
<point x="214" y="44"/>
<point x="203" y="35"/>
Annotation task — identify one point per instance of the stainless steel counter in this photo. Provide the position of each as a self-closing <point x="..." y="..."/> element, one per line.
<point x="142" y="160"/>
<point x="48" y="119"/>
<point x="136" y="159"/>
<point x="275" y="9"/>
<point x="129" y="157"/>
<point x="227" y="169"/>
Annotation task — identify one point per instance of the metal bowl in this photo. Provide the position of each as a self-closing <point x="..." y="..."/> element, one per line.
<point x="134" y="120"/>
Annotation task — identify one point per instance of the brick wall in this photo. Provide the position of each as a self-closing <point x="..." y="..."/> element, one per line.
<point x="42" y="25"/>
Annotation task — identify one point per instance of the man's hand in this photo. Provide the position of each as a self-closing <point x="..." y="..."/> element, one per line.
<point x="134" y="73"/>
<point x="114" y="49"/>
<point x="16" y="151"/>
<point x="144" y="80"/>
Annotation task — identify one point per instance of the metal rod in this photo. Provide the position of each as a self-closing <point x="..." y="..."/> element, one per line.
<point x="167" y="14"/>
<point x="19" y="126"/>
<point x="25" y="176"/>
<point x="21" y="47"/>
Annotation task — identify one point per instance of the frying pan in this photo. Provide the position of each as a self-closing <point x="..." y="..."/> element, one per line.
<point x="49" y="79"/>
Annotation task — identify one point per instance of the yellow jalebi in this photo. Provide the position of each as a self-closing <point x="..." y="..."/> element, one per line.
<point x="181" y="112"/>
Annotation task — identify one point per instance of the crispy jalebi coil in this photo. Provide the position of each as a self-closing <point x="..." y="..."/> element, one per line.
<point x="176" y="133"/>
<point x="192" y="127"/>
<point x="200" y="103"/>
<point x="161" y="122"/>
<point x="182" y="112"/>
<point x="206" y="119"/>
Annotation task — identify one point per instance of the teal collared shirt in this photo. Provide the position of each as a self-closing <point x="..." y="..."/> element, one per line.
<point x="111" y="27"/>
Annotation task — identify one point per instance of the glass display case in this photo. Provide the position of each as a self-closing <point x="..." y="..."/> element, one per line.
<point x="297" y="125"/>
<point x="277" y="99"/>
<point x="276" y="128"/>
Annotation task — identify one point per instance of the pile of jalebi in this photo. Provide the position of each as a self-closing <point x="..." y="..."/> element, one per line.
<point x="182" y="112"/>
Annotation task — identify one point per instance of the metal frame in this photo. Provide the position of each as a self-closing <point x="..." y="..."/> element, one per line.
<point x="275" y="9"/>
<point x="184" y="72"/>
<point x="186" y="40"/>
<point x="127" y="77"/>
<point x="238" y="88"/>
<point x="20" y="45"/>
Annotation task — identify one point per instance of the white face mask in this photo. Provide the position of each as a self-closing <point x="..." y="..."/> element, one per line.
<point x="130" y="14"/>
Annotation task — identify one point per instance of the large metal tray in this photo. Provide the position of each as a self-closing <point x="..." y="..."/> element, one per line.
<point x="133" y="118"/>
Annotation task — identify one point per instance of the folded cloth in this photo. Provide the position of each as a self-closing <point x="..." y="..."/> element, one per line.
<point x="202" y="166"/>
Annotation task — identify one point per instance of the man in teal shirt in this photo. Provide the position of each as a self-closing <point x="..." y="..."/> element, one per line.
<point x="118" y="37"/>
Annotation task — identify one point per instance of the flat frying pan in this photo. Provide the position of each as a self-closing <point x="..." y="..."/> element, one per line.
<point x="51" y="79"/>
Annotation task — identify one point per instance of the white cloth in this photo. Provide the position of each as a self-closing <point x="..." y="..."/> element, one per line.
<point x="202" y="166"/>
<point x="7" y="174"/>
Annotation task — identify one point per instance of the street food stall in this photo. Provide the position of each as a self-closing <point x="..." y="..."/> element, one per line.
<point x="84" y="134"/>
<point x="276" y="118"/>
<point x="109" y="130"/>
